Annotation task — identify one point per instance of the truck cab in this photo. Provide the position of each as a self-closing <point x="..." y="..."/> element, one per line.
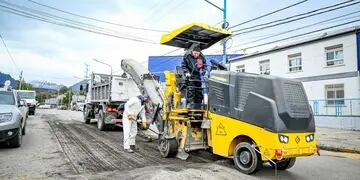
<point x="29" y="97"/>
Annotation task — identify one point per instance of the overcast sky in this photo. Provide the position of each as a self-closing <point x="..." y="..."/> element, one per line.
<point x="57" y="54"/>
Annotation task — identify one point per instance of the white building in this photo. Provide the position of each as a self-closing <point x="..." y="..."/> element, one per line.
<point x="327" y="65"/>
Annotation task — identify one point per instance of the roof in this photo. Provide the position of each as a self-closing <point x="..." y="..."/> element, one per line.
<point x="199" y="33"/>
<point x="324" y="36"/>
<point x="4" y="77"/>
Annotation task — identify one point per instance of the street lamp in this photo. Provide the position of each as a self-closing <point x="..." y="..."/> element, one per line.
<point x="111" y="70"/>
<point x="111" y="75"/>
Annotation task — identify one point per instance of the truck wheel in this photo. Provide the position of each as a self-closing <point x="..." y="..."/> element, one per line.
<point x="86" y="116"/>
<point x="246" y="159"/>
<point x="100" y="122"/>
<point x="168" y="147"/>
<point x="32" y="112"/>
<point x="284" y="164"/>
<point x="17" y="140"/>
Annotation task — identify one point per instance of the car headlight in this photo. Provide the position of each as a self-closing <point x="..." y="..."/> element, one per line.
<point x="310" y="137"/>
<point x="5" y="117"/>
<point x="283" y="139"/>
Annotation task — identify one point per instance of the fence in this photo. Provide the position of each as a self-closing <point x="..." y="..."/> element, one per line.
<point x="336" y="107"/>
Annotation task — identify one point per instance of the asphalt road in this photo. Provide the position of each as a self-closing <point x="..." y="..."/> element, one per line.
<point x="59" y="146"/>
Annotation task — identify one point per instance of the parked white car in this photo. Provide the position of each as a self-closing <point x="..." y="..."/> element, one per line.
<point x="44" y="106"/>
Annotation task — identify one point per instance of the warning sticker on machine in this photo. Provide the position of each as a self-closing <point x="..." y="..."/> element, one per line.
<point x="220" y="130"/>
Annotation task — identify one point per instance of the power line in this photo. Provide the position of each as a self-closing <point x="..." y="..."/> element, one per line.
<point x="34" y="17"/>
<point x="330" y="20"/>
<point x="177" y="49"/>
<point x="154" y="8"/>
<point x="73" y="22"/>
<point x="8" y="52"/>
<point x="95" y="19"/>
<point x="171" y="9"/>
<point x="299" y="35"/>
<point x="292" y="20"/>
<point x="273" y="12"/>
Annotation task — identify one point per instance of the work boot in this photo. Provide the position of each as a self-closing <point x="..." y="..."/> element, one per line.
<point x="134" y="148"/>
<point x="129" y="150"/>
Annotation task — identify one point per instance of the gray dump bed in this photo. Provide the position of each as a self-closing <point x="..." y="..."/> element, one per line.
<point x="112" y="88"/>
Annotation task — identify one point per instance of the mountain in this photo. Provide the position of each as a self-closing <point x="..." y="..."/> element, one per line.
<point x="44" y="85"/>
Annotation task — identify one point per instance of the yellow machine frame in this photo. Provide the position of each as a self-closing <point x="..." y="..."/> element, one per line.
<point x="225" y="133"/>
<point x="219" y="133"/>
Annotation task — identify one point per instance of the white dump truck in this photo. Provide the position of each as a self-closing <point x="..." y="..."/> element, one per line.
<point x="104" y="95"/>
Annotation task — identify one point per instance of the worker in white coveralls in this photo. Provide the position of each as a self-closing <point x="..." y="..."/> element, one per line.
<point x="134" y="109"/>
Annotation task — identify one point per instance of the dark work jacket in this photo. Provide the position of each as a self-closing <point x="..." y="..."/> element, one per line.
<point x="189" y="65"/>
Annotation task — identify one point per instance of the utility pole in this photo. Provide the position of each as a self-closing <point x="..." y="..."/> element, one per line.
<point x="20" y="81"/>
<point x="225" y="25"/>
<point x="86" y="73"/>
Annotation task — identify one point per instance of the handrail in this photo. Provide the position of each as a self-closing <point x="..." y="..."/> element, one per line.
<point x="342" y="107"/>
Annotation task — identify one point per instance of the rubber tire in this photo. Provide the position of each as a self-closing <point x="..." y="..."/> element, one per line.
<point x="16" y="141"/>
<point x="284" y="164"/>
<point x="256" y="162"/>
<point x="100" y="122"/>
<point x="171" y="147"/>
<point x="86" y="116"/>
<point x="24" y="129"/>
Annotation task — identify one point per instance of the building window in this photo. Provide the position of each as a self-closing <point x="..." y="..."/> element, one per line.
<point x="334" y="55"/>
<point x="264" y="67"/>
<point x="240" y="68"/>
<point x="295" y="63"/>
<point x="334" y="94"/>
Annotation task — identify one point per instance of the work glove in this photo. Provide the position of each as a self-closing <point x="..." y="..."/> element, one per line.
<point x="144" y="124"/>
<point x="131" y="117"/>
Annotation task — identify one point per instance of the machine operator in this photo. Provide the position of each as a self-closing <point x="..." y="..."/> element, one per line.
<point x="194" y="66"/>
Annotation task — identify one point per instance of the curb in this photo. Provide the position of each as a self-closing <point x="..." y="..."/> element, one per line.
<point x="339" y="149"/>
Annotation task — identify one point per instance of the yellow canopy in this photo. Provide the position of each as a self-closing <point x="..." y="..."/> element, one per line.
<point x="199" y="33"/>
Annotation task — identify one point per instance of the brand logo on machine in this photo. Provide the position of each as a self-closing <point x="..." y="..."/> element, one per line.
<point x="220" y="130"/>
<point x="297" y="139"/>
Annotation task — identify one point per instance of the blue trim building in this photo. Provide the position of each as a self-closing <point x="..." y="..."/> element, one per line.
<point x="158" y="64"/>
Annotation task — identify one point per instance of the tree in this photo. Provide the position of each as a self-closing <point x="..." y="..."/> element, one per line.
<point x="24" y="85"/>
<point x="67" y="99"/>
<point x="41" y="96"/>
<point x="63" y="90"/>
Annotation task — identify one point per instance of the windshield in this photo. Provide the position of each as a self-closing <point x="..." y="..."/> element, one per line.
<point x="7" y="97"/>
<point x="26" y="95"/>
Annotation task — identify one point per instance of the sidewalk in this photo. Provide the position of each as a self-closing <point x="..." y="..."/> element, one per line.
<point x="338" y="140"/>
